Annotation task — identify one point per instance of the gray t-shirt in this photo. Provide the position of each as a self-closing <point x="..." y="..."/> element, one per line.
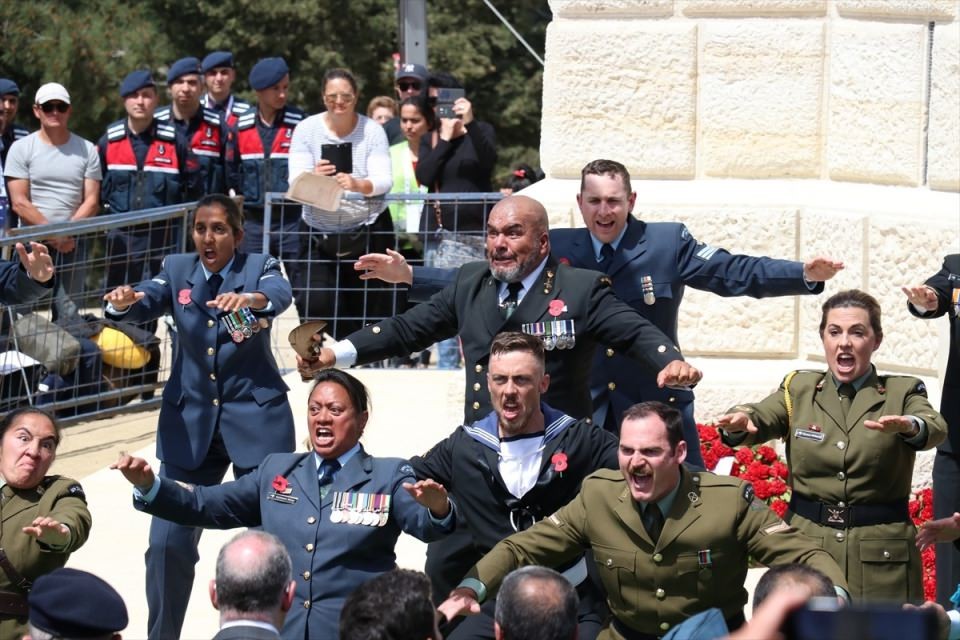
<point x="56" y="173"/>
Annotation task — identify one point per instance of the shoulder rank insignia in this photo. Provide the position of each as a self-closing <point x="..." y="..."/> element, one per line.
<point x="77" y="491"/>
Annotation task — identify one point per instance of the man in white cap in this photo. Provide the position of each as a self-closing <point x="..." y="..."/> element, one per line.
<point x="54" y="176"/>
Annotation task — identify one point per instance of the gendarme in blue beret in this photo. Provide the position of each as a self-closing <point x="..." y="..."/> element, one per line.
<point x="216" y="59"/>
<point x="182" y="67"/>
<point x="135" y="81"/>
<point x="267" y="73"/>
<point x="68" y="603"/>
<point x="8" y="86"/>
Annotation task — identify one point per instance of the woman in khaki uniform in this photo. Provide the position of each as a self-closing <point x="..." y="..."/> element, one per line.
<point x="851" y="438"/>
<point x="42" y="518"/>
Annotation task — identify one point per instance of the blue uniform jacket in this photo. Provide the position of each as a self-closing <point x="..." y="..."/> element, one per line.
<point x="215" y="382"/>
<point x="674" y="259"/>
<point x="330" y="559"/>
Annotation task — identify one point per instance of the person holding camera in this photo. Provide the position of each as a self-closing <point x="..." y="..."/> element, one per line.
<point x="851" y="439"/>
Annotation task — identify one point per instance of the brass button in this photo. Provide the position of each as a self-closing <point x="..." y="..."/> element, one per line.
<point x="213" y="376"/>
<point x="306" y="604"/>
<point x="661" y="349"/>
<point x="476" y="386"/>
<point x="309" y="546"/>
<point x="658" y="558"/>
<point x="475" y="405"/>
<point x="839" y="536"/>
<point x="664" y="626"/>
<point x="609" y="562"/>
<point x="311" y="520"/>
<point x="611" y="385"/>
<point x="376" y="329"/>
<point x="210" y="323"/>
<point x="216" y="402"/>
<point x="306" y="575"/>
<point x="841" y="445"/>
<point x="660" y="593"/>
<point x="478" y="368"/>
<point x="886" y="555"/>
<point x="211" y="351"/>
<point x="841" y="475"/>
<point x="610" y="353"/>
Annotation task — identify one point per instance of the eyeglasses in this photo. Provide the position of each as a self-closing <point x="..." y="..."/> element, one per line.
<point x="50" y="107"/>
<point x="407" y="85"/>
<point x="339" y="97"/>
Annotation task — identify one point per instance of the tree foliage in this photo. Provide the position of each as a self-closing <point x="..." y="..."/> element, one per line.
<point x="90" y="45"/>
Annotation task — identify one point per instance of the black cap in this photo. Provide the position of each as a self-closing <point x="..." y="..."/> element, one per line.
<point x="76" y="604"/>
<point x="216" y="59"/>
<point x="135" y="81"/>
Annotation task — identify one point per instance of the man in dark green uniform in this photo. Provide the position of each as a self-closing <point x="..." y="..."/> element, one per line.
<point x="668" y="542"/>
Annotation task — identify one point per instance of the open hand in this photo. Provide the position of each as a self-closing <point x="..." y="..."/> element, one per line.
<point x="123" y="296"/>
<point x="390" y="267"/>
<point x="38" y="263"/>
<point x="736" y="422"/>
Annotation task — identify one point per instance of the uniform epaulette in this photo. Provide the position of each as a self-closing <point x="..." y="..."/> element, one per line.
<point x="709" y="479"/>
<point x="163" y="113"/>
<point x="609" y="475"/>
<point x="213" y="117"/>
<point x="166" y="131"/>
<point x="117" y="130"/>
<point x="799" y="372"/>
<point x="239" y="107"/>
<point x="292" y="117"/>
<point x="247" y="120"/>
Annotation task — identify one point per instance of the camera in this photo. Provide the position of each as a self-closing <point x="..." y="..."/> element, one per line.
<point x="445" y="100"/>
<point x="826" y="619"/>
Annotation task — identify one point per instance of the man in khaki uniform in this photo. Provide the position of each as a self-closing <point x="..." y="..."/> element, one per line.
<point x="851" y="439"/>
<point x="657" y="571"/>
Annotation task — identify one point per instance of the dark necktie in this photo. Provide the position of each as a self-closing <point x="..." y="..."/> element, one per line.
<point x="509" y="304"/>
<point x="846" y="392"/>
<point x="652" y="521"/>
<point x="606" y="254"/>
<point x="213" y="284"/>
<point x="327" y="469"/>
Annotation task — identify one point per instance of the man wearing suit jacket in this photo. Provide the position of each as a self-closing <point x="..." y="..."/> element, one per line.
<point x="337" y="510"/>
<point x="253" y="589"/>
<point x="225" y="400"/>
<point x="511" y="469"/>
<point x="521" y="288"/>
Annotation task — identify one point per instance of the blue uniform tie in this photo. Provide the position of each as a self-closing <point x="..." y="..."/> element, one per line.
<point x="327" y="470"/>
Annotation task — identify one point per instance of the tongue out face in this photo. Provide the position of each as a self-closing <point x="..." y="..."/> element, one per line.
<point x="849" y="342"/>
<point x="335" y="425"/>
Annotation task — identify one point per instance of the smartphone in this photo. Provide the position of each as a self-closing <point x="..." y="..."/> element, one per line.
<point x="445" y="100"/>
<point x="825" y="619"/>
<point x="339" y="155"/>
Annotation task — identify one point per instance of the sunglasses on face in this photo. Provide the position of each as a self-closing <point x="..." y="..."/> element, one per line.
<point x="408" y="85"/>
<point x="50" y="107"/>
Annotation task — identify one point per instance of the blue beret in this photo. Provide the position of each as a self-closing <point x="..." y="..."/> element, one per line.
<point x="135" y="81"/>
<point x="216" y="59"/>
<point x="182" y="67"/>
<point x="267" y="73"/>
<point x="8" y="86"/>
<point x="76" y="604"/>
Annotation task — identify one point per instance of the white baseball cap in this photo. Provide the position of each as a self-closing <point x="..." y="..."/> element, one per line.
<point x="52" y="91"/>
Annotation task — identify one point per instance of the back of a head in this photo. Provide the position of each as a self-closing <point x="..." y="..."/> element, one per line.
<point x="395" y="605"/>
<point x="786" y="575"/>
<point x="253" y="574"/>
<point x="536" y="603"/>
<point x="69" y="603"/>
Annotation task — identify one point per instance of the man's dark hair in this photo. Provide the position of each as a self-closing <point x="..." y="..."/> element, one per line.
<point x="510" y="341"/>
<point x="231" y="209"/>
<point x="606" y="168"/>
<point x="395" y="605"/>
<point x="670" y="416"/>
<point x="443" y="80"/>
<point x="793" y="573"/>
<point x="253" y="589"/>
<point x="536" y="603"/>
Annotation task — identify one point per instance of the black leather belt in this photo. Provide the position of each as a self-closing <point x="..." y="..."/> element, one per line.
<point x="847" y="516"/>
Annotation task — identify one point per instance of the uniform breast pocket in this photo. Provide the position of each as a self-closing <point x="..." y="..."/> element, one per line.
<point x="886" y="568"/>
<point x="688" y="574"/>
<point x="617" y="569"/>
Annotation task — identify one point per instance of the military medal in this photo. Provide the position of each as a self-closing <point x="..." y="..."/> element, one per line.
<point x="336" y="515"/>
<point x="646" y="284"/>
<point x="385" y="510"/>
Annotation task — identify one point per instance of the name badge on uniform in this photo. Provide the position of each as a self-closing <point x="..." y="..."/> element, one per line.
<point x="556" y="334"/>
<point x="813" y="434"/>
<point x="281" y="498"/>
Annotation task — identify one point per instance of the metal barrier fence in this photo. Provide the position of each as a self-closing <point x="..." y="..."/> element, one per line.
<point x="49" y="354"/>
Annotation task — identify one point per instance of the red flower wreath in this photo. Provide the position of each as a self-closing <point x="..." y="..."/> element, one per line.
<point x="559" y="461"/>
<point x="921" y="510"/>
<point x="280" y="484"/>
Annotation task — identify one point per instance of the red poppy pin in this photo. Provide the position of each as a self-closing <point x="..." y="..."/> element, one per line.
<point x="559" y="460"/>
<point x="280" y="485"/>
<point x="183" y="296"/>
<point x="565" y="261"/>
<point x="557" y="307"/>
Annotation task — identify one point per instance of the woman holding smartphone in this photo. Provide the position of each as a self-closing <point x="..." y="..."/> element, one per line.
<point x="352" y="149"/>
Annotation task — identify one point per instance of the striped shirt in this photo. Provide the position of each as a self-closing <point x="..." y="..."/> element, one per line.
<point x="371" y="161"/>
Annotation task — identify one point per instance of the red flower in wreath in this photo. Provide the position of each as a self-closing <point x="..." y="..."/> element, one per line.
<point x="559" y="461"/>
<point x="280" y="484"/>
